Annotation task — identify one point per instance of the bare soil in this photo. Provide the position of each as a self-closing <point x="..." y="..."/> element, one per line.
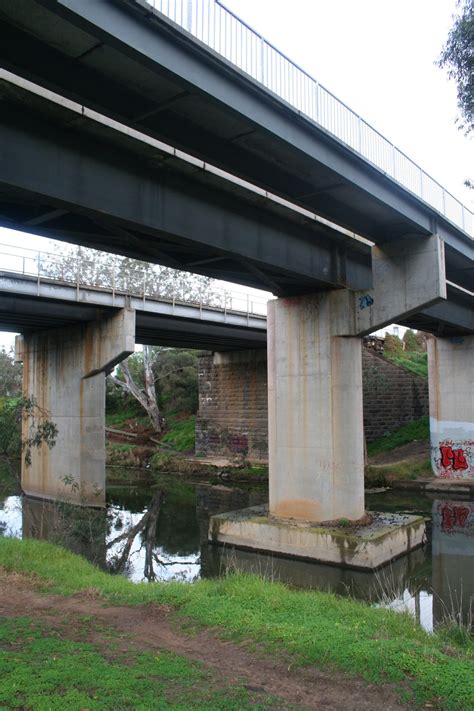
<point x="157" y="627"/>
<point x="415" y="452"/>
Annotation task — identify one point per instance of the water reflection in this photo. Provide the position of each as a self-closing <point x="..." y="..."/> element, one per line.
<point x="161" y="534"/>
<point x="453" y="560"/>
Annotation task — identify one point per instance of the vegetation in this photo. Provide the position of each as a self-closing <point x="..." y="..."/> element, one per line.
<point x="163" y="381"/>
<point x="414" y="361"/>
<point x="10" y="375"/>
<point x="58" y="667"/>
<point x="409" y="353"/>
<point x="181" y="434"/>
<point x="385" y="474"/>
<point x="411" y="432"/>
<point x="40" y="430"/>
<point x="458" y="58"/>
<point x="311" y="627"/>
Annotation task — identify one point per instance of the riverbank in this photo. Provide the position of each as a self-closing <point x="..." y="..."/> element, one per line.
<point x="340" y="653"/>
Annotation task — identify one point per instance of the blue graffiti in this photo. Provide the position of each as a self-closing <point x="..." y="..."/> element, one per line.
<point x="457" y="340"/>
<point x="365" y="301"/>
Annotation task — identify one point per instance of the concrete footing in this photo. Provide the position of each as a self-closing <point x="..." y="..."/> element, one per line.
<point x="370" y="546"/>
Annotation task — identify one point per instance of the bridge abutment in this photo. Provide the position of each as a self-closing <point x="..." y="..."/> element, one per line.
<point x="64" y="372"/>
<point x="451" y="391"/>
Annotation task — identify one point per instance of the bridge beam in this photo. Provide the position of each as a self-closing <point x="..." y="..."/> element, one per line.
<point x="451" y="391"/>
<point x="64" y="371"/>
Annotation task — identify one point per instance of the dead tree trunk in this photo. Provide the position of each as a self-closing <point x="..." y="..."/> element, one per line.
<point x="146" y="396"/>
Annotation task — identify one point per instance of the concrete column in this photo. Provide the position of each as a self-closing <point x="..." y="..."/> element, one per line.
<point x="64" y="371"/>
<point x="316" y="457"/>
<point x="451" y="390"/>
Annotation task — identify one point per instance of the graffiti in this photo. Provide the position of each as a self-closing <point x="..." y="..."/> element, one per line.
<point x="453" y="516"/>
<point x="455" y="458"/>
<point x="457" y="340"/>
<point x="238" y="443"/>
<point x="365" y="301"/>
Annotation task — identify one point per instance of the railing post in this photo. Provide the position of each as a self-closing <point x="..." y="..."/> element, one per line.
<point x="316" y="101"/>
<point x="189" y="16"/>
<point x="39" y="273"/>
<point x="78" y="274"/>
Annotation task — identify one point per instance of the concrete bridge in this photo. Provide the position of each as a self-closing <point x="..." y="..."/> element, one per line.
<point x="124" y="132"/>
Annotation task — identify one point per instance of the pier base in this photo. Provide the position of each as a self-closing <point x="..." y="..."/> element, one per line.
<point x="369" y="546"/>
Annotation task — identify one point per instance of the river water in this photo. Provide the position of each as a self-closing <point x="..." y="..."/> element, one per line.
<point x="160" y="533"/>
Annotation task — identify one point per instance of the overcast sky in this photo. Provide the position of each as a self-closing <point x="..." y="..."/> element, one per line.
<point x="378" y="56"/>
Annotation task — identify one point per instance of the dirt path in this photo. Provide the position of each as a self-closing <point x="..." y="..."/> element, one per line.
<point x="157" y="627"/>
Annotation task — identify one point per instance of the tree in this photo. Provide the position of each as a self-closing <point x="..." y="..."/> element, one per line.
<point x="162" y="380"/>
<point x="457" y="57"/>
<point x="102" y="269"/>
<point x="10" y="375"/>
<point x="142" y="385"/>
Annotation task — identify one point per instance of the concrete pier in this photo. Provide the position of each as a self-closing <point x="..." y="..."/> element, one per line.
<point x="64" y="371"/>
<point x="315" y="414"/>
<point x="451" y="390"/>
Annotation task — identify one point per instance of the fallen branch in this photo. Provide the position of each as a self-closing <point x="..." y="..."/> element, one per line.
<point x="121" y="432"/>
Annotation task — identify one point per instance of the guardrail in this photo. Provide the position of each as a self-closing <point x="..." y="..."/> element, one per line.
<point x="228" y="35"/>
<point x="128" y="276"/>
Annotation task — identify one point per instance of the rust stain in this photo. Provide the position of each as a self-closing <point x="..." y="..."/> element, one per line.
<point x="303" y="509"/>
<point x="88" y="352"/>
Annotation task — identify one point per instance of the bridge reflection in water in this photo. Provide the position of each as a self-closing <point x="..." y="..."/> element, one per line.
<point x="163" y="536"/>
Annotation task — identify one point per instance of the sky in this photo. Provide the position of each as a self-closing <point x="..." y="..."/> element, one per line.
<point x="378" y="56"/>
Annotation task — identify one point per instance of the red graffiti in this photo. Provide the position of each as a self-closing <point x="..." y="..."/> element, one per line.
<point x="454" y="516"/>
<point x="455" y="458"/>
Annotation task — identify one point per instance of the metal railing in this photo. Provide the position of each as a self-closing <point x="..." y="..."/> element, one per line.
<point x="225" y="33"/>
<point x="121" y="275"/>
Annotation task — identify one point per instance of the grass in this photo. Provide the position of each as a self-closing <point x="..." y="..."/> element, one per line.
<point x="312" y="627"/>
<point x="41" y="668"/>
<point x="181" y="434"/>
<point x="413" y="361"/>
<point x="119" y="419"/>
<point x="384" y="474"/>
<point x="415" y="430"/>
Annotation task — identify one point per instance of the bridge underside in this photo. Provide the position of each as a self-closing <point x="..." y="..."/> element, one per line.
<point x="140" y="201"/>
<point x="163" y="324"/>
<point x="125" y="60"/>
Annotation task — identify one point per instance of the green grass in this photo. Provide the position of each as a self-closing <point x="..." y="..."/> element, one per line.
<point x="181" y="434"/>
<point x="312" y="627"/>
<point x="416" y="430"/>
<point x="385" y="474"/>
<point x="41" y="668"/>
<point x="413" y="361"/>
<point x="117" y="419"/>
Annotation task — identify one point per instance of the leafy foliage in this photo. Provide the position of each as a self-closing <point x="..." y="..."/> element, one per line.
<point x="10" y="375"/>
<point x="102" y="269"/>
<point x="39" y="429"/>
<point x="174" y="373"/>
<point x="457" y="57"/>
